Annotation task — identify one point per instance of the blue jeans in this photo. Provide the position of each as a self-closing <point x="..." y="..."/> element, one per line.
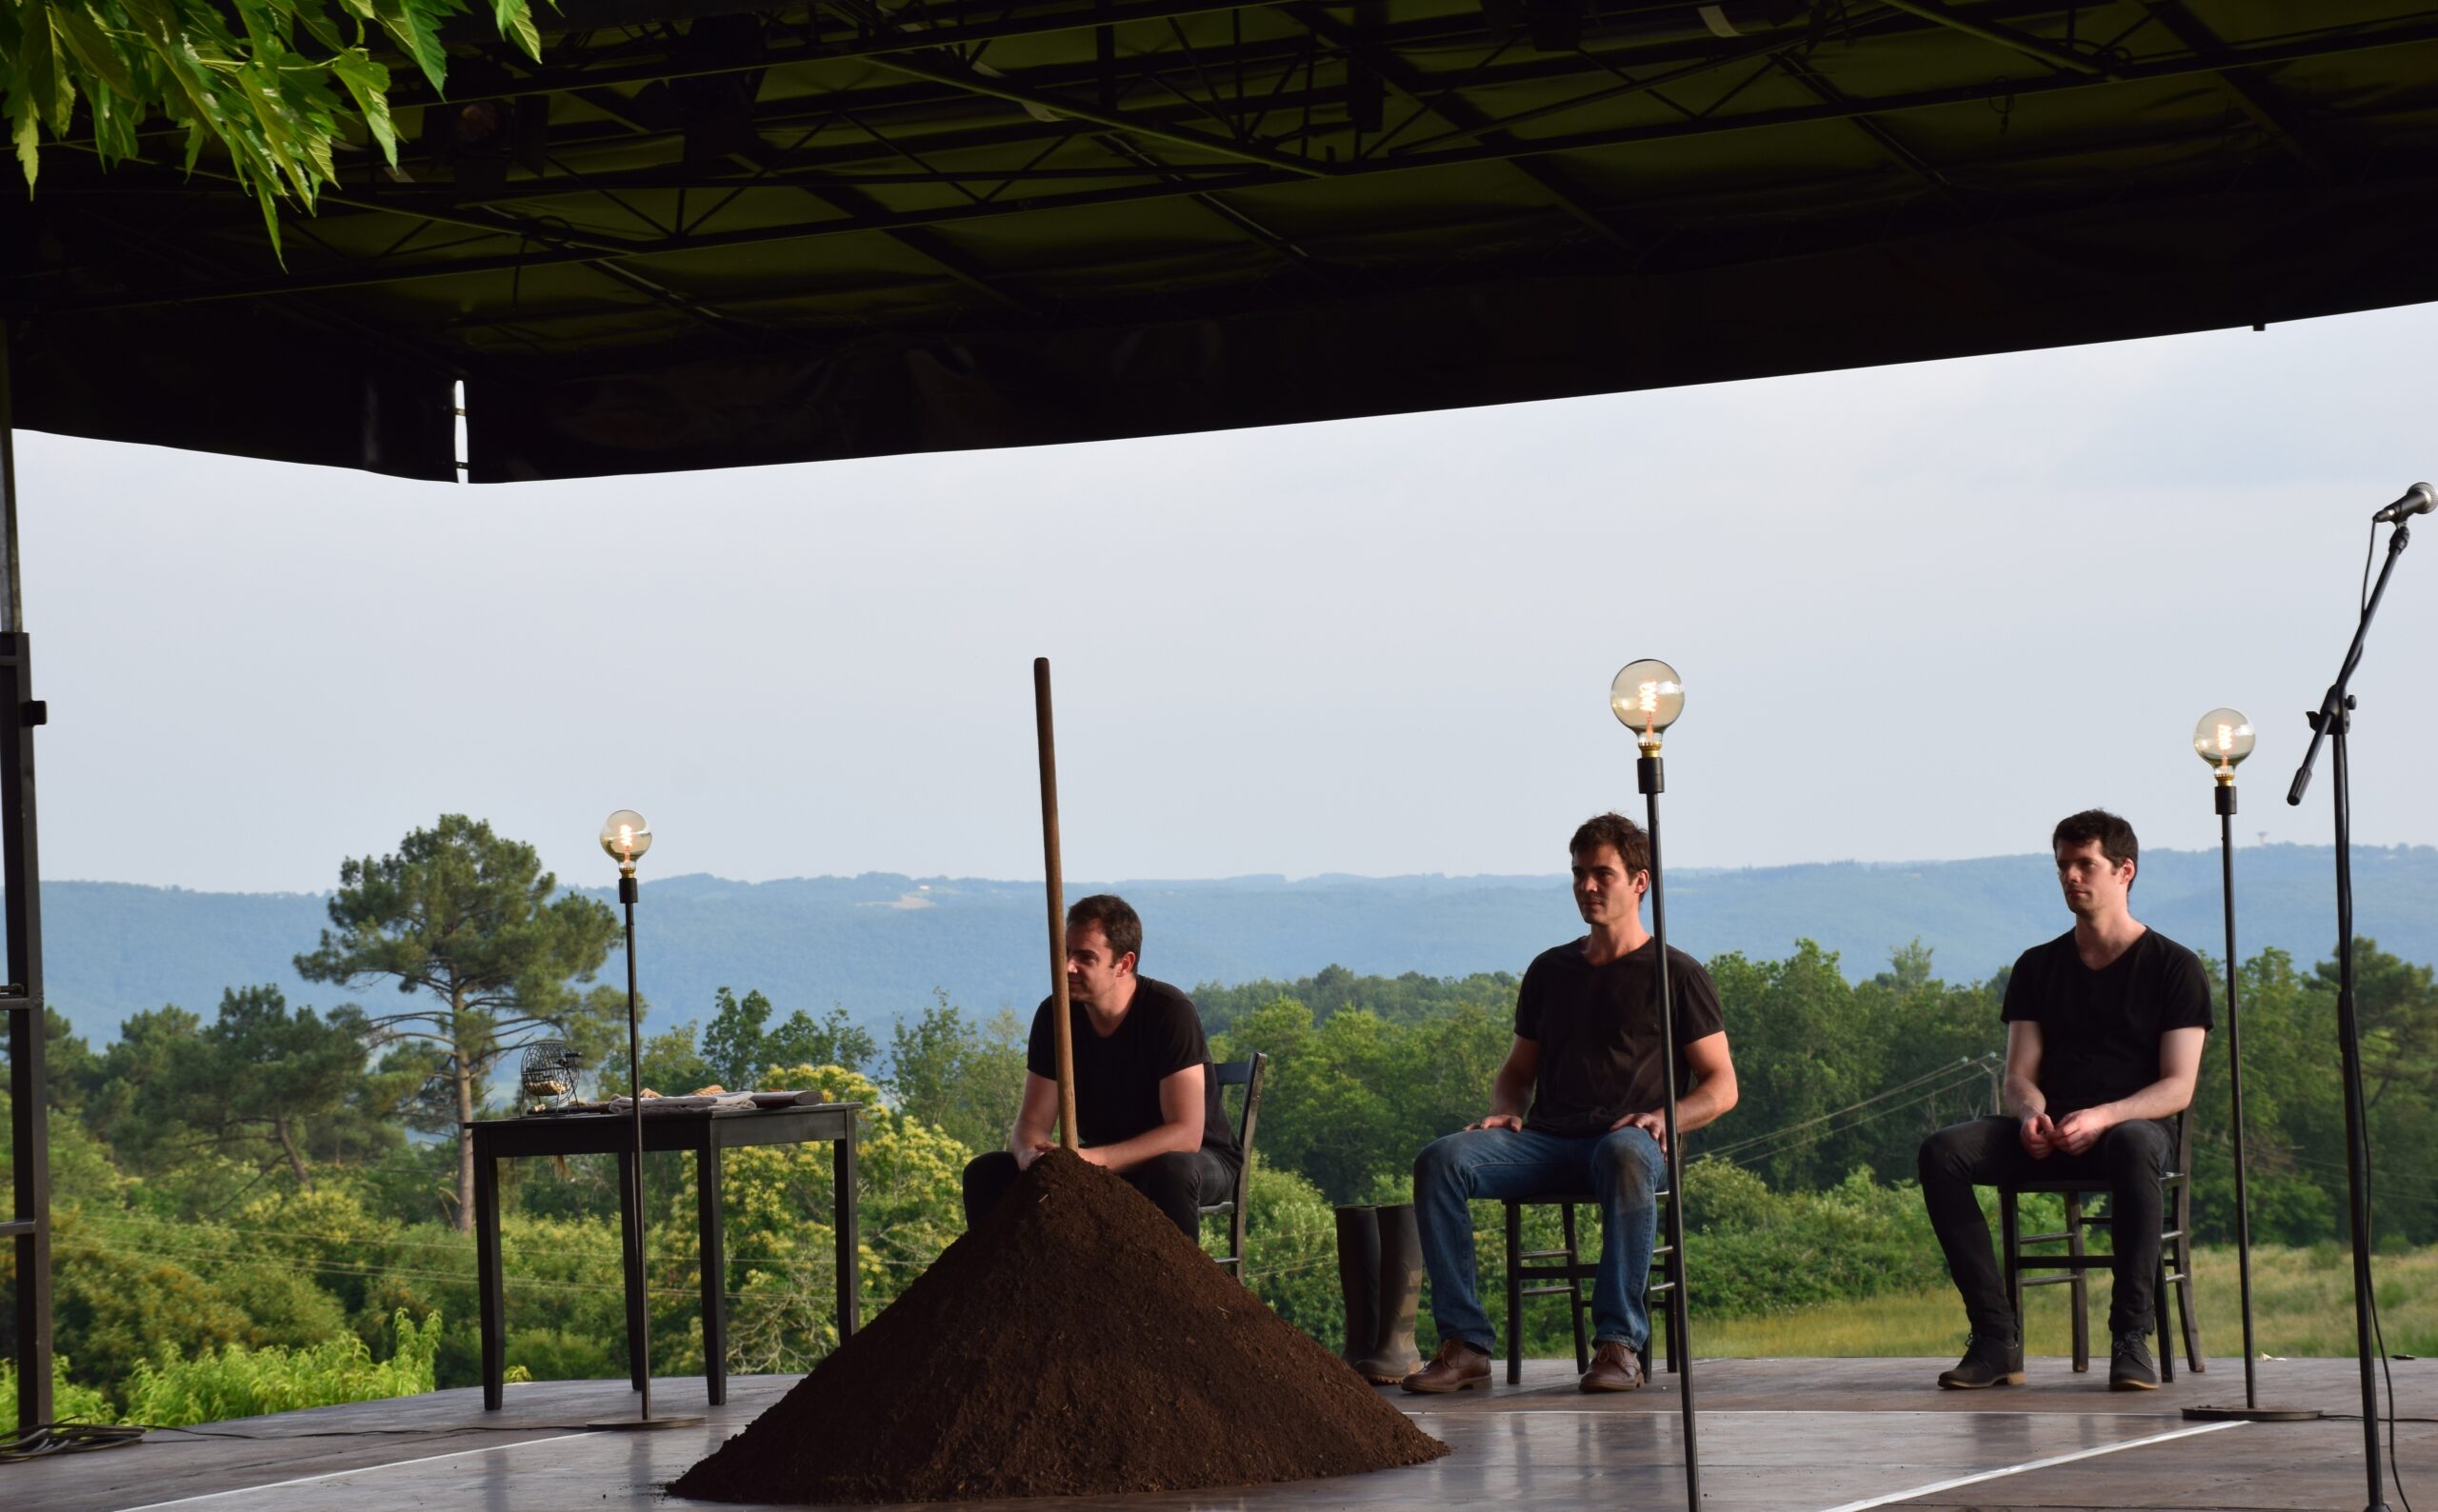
<point x="1623" y="1170"/>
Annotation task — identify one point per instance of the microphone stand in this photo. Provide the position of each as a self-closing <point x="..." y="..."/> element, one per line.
<point x="2331" y="722"/>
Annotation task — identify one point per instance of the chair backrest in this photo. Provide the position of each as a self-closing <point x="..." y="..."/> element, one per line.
<point x="1247" y="1074"/>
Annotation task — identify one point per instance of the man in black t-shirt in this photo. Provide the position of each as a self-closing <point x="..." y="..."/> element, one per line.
<point x="2105" y="1025"/>
<point x="1147" y="1097"/>
<point x="1587" y="1053"/>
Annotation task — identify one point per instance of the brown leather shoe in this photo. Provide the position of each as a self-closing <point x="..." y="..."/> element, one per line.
<point x="1458" y="1366"/>
<point x="1615" y="1367"/>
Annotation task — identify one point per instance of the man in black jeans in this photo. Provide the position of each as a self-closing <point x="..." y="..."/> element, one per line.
<point x="1147" y="1097"/>
<point x="2104" y="1032"/>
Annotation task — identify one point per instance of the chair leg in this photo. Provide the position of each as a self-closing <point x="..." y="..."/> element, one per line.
<point x="2011" y="1245"/>
<point x="2082" y="1285"/>
<point x="1514" y="1295"/>
<point x="2159" y="1320"/>
<point x="2192" y="1351"/>
<point x="1676" y="1290"/>
<point x="1574" y="1289"/>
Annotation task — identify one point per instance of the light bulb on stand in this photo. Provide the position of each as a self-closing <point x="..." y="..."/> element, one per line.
<point x="1647" y="698"/>
<point x="2223" y="739"/>
<point x="626" y="835"/>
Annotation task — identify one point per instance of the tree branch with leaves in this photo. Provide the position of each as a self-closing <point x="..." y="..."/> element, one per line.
<point x="276" y="83"/>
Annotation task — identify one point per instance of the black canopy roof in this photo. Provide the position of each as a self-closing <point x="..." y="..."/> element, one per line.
<point x="699" y="235"/>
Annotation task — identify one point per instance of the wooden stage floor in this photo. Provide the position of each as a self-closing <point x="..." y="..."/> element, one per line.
<point x="1776" y="1436"/>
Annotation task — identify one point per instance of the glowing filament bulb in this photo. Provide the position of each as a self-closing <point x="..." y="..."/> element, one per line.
<point x="2223" y="739"/>
<point x="626" y="835"/>
<point x="1647" y="698"/>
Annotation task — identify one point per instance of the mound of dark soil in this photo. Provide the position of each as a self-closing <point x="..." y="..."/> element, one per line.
<point x="1074" y="1344"/>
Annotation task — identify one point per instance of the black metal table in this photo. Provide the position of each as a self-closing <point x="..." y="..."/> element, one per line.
<point x="705" y="1132"/>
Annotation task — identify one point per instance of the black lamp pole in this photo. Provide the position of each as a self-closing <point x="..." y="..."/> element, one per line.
<point x="626" y="836"/>
<point x="2252" y="1410"/>
<point x="626" y="891"/>
<point x="2330" y="722"/>
<point x="1646" y="697"/>
<point x="1652" y="779"/>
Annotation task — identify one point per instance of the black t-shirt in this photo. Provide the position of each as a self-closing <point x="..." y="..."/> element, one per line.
<point x="1599" y="1033"/>
<point x="1117" y="1079"/>
<point x="2100" y="1030"/>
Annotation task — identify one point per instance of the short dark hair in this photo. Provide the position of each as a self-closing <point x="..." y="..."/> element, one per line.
<point x="2115" y="835"/>
<point x="1117" y="919"/>
<point x="1633" y="846"/>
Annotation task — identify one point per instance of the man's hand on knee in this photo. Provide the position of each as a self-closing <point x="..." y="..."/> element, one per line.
<point x="1653" y="1124"/>
<point x="1497" y="1121"/>
<point x="2080" y="1130"/>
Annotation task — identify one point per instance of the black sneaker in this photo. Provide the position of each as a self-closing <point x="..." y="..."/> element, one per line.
<point x="1989" y="1360"/>
<point x="2129" y="1362"/>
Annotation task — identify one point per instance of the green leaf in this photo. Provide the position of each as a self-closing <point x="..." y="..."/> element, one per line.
<point x="319" y="25"/>
<point x="271" y="224"/>
<point x="39" y="77"/>
<point x="516" y="20"/>
<point x="76" y="27"/>
<point x="415" y="26"/>
<point x="26" y="132"/>
<point x="368" y="83"/>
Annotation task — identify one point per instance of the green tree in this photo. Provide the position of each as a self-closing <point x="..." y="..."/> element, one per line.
<point x="836" y="1040"/>
<point x="466" y="919"/>
<point x="268" y="1074"/>
<point x="738" y="1050"/>
<point x="945" y="1070"/>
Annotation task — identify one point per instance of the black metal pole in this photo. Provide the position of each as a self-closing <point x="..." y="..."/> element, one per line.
<point x="27" y="1223"/>
<point x="2348" y="1034"/>
<point x="2235" y="1086"/>
<point x="2252" y="1410"/>
<point x="2332" y="723"/>
<point x="1652" y="779"/>
<point x="626" y="891"/>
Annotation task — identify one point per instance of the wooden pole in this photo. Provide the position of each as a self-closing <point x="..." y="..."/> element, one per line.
<point x="1057" y="889"/>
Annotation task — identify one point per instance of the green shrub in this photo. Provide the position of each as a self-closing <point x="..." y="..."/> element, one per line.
<point x="234" y="1382"/>
<point x="70" y="1401"/>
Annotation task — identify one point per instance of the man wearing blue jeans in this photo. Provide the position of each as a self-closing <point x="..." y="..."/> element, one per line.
<point x="1587" y="1053"/>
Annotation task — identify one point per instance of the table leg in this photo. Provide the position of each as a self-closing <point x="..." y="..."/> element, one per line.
<point x="843" y="1218"/>
<point x="487" y="1280"/>
<point x="631" y="1255"/>
<point x="715" y="1261"/>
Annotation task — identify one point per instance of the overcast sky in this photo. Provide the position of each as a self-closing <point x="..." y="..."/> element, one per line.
<point x="1920" y="612"/>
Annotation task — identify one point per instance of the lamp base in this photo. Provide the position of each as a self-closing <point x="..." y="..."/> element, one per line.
<point x="2208" y="1414"/>
<point x="635" y="1424"/>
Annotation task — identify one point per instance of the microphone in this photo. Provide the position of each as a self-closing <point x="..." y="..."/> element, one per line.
<point x="2417" y="500"/>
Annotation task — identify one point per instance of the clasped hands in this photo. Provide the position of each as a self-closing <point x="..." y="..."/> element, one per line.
<point x="2077" y="1132"/>
<point x="1650" y="1124"/>
<point x="1041" y="1147"/>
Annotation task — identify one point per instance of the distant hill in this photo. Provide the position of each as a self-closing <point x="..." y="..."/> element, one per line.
<point x="880" y="944"/>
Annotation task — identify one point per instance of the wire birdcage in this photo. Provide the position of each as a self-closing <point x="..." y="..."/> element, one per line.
<point x="546" y="1075"/>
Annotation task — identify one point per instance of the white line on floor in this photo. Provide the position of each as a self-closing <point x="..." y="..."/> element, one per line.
<point x="2063" y="1414"/>
<point x="2030" y="1465"/>
<point x="361" y="1469"/>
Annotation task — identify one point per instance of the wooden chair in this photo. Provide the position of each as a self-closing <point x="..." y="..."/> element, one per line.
<point x="1246" y="1074"/>
<point x="1568" y="1276"/>
<point x="2175" y="1254"/>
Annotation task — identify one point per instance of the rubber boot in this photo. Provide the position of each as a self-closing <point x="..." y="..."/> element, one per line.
<point x="1393" y="1355"/>
<point x="1358" y="1276"/>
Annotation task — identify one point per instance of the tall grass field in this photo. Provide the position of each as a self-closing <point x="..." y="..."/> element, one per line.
<point x="2302" y="1306"/>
